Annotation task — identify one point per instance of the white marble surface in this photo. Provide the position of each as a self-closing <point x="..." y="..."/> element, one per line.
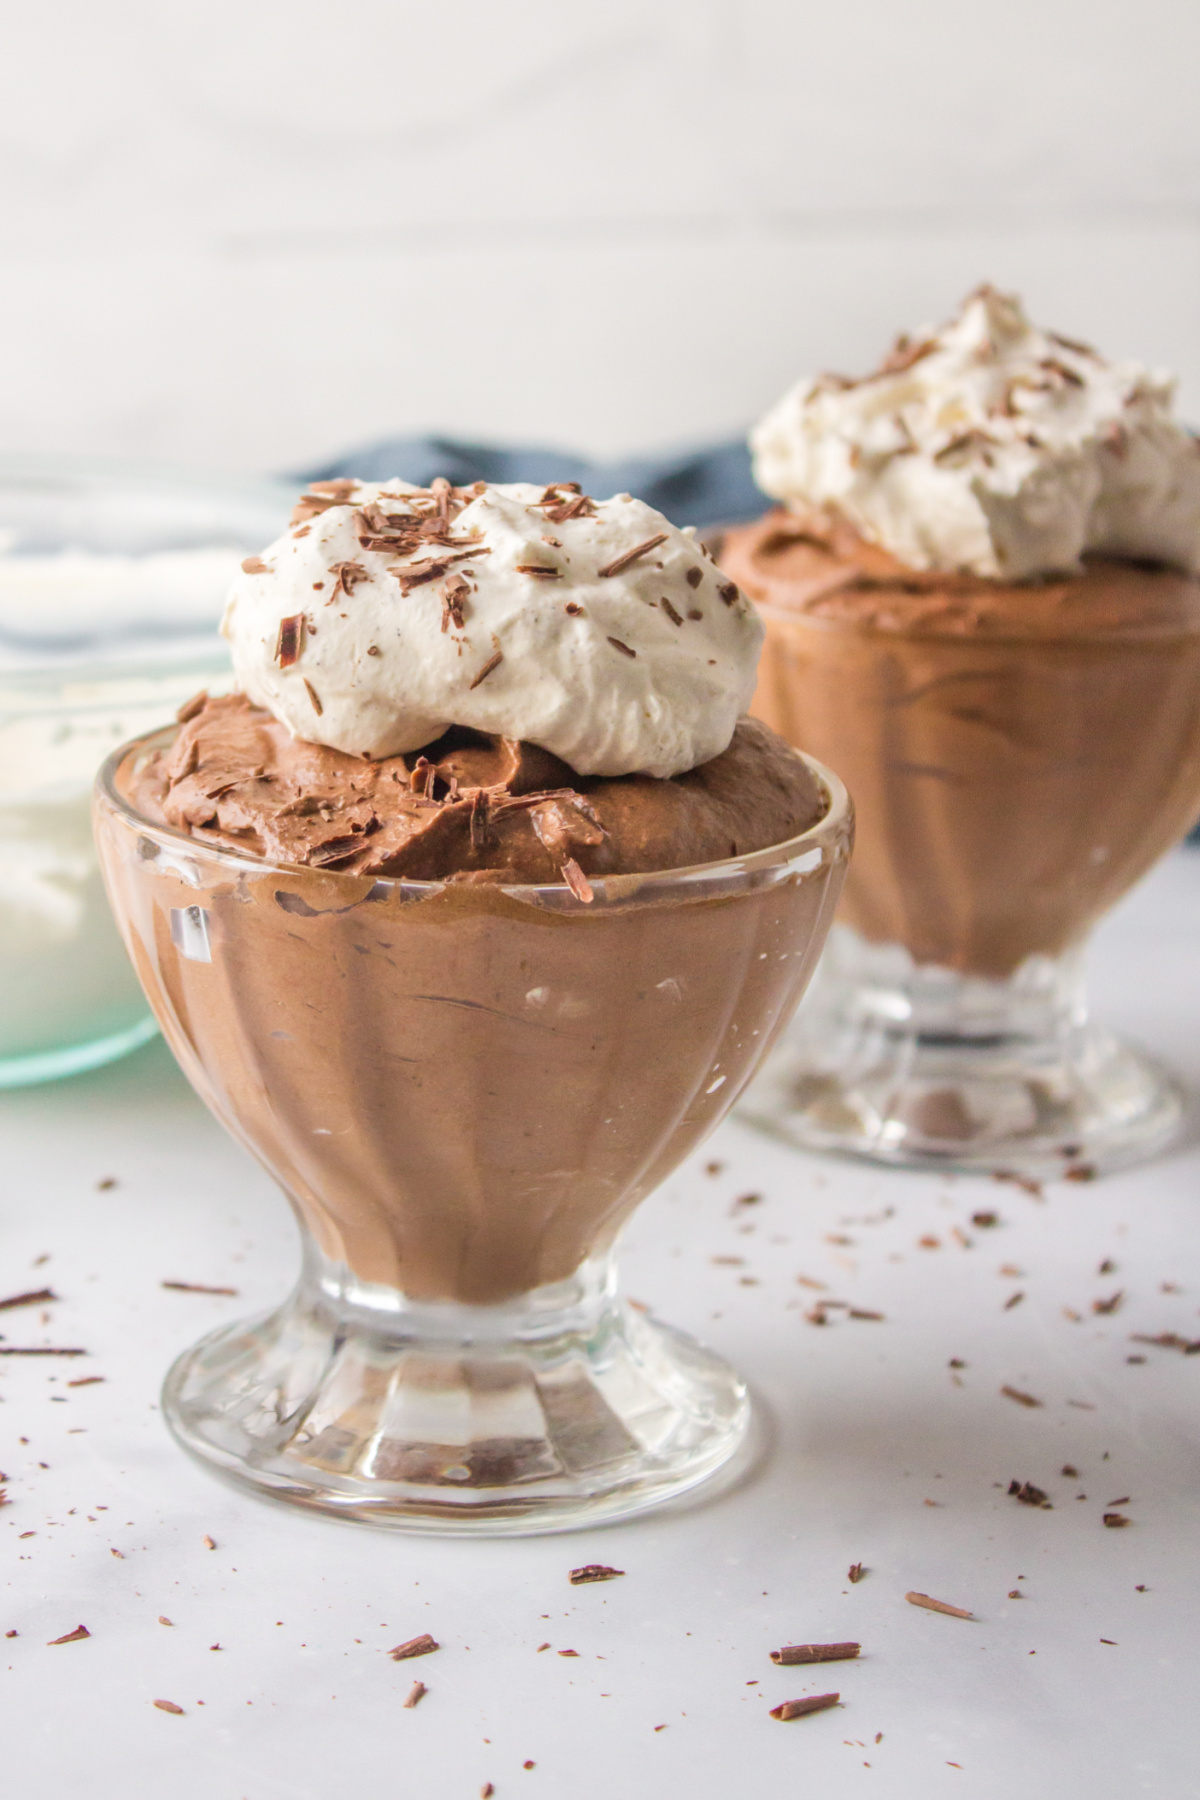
<point x="865" y="1426"/>
<point x="253" y="234"/>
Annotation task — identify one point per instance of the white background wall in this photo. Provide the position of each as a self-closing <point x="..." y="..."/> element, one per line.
<point x="251" y="232"/>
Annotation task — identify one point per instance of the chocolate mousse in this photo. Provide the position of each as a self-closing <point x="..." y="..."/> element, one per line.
<point x="1019" y="752"/>
<point x="469" y="805"/>
<point x="981" y="606"/>
<point x="472" y="991"/>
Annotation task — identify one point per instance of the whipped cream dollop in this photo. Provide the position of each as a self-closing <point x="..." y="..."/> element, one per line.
<point x="993" y="447"/>
<point x="594" y="628"/>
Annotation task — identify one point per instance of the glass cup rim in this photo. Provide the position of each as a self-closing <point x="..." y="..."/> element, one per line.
<point x="832" y="829"/>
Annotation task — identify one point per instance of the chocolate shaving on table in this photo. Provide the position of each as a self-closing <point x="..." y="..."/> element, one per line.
<point x="938" y="1606"/>
<point x="814" y="1653"/>
<point x="1168" y="1340"/>
<point x="620" y="563"/>
<point x="623" y="648"/>
<point x="493" y="662"/>
<point x="85" y="1381"/>
<point x="797" y="1709"/>
<point x="581" y="887"/>
<point x="855" y="1572"/>
<point x="415" y="1693"/>
<point x="169" y="1706"/>
<point x="1022" y="1399"/>
<point x="254" y="565"/>
<point x="196" y="1287"/>
<point x="1114" y="1520"/>
<point x="289" y="645"/>
<point x="72" y="1637"/>
<point x="593" y="1572"/>
<point x="1028" y="1494"/>
<point x="424" y="1645"/>
<point x="1110" y="1305"/>
<point x="15" y="1350"/>
<point x="34" y="1297"/>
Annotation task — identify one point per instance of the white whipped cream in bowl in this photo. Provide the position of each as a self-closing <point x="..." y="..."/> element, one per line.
<point x="593" y="628"/>
<point x="112" y="579"/>
<point x="992" y="447"/>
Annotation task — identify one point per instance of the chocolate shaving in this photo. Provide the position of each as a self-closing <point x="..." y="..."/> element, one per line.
<point x="35" y="1297"/>
<point x="575" y="611"/>
<point x="493" y="662"/>
<point x="675" y="618"/>
<point x="728" y="592"/>
<point x="593" y="1572"/>
<point x="1028" y="1494"/>
<point x="938" y="1606"/>
<point x="1168" y="1340"/>
<point x="797" y="1709"/>
<point x="1022" y="1399"/>
<point x="13" y="1350"/>
<point x="424" y="1645"/>
<point x="694" y="576"/>
<point x="1111" y="1305"/>
<point x="347" y="576"/>
<point x="564" y="500"/>
<point x="254" y="565"/>
<point x="480" y="823"/>
<point x="580" y="886"/>
<point x="415" y="1693"/>
<point x="169" y="1706"/>
<point x="620" y="563"/>
<point x="855" y="1572"/>
<point x="417" y="576"/>
<point x="313" y="696"/>
<point x="196" y="1287"/>
<point x="814" y="1653"/>
<point x="1115" y="1520"/>
<point x="455" y="595"/>
<point x="904" y="353"/>
<point x="72" y="1637"/>
<point x="542" y="570"/>
<point x="623" y="648"/>
<point x="289" y="645"/>
<point x="85" y="1381"/>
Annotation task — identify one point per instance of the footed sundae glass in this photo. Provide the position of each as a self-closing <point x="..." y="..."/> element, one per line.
<point x="1010" y="789"/>
<point x="463" y="1089"/>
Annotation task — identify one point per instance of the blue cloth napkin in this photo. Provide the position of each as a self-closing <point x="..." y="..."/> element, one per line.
<point x="693" y="487"/>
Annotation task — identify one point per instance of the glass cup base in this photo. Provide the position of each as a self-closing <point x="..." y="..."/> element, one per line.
<point x="548" y="1413"/>
<point x="928" y="1068"/>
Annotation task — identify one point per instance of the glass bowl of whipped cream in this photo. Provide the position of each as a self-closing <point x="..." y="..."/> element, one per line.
<point x="112" y="581"/>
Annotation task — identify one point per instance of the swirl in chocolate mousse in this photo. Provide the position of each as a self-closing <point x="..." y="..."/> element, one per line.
<point x="1021" y="746"/>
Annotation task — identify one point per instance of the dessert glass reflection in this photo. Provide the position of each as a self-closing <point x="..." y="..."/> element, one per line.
<point x="427" y="989"/>
<point x="981" y="606"/>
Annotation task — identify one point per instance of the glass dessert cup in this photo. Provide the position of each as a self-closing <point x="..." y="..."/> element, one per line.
<point x="1009" y="789"/>
<point x="463" y="1090"/>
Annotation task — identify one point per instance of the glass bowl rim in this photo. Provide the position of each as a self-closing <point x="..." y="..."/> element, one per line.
<point x="831" y="833"/>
